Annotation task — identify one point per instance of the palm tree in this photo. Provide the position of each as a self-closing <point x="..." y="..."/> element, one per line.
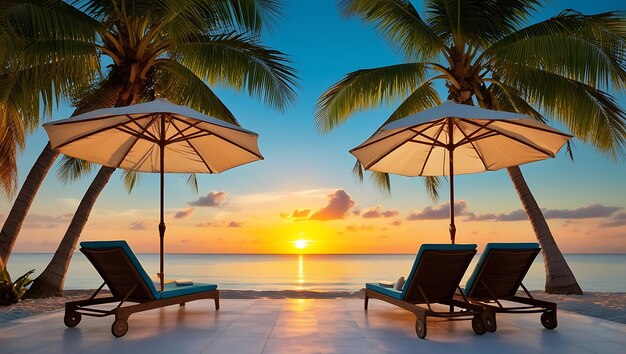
<point x="116" y="52"/>
<point x="169" y="48"/>
<point x="561" y="68"/>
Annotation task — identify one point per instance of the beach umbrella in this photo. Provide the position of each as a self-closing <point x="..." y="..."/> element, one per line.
<point x="458" y="139"/>
<point x="158" y="137"/>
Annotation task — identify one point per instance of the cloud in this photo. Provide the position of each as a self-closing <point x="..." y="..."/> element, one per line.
<point x="438" y="212"/>
<point x="339" y="203"/>
<point x="183" y="213"/>
<point x="138" y="225"/>
<point x="185" y="240"/>
<point x="357" y="228"/>
<point x="299" y="214"/>
<point x="221" y="223"/>
<point x="618" y="219"/>
<point x="235" y="224"/>
<point x="377" y="212"/>
<point x="587" y="212"/>
<point x="396" y="223"/>
<point x="591" y="211"/>
<point x="213" y="199"/>
<point x="39" y="221"/>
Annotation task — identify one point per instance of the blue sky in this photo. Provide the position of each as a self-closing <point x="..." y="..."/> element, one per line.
<point x="302" y="168"/>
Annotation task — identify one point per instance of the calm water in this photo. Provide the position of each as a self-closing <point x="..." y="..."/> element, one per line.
<point x="313" y="272"/>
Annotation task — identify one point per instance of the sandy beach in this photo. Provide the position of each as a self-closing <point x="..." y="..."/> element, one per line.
<point x="604" y="305"/>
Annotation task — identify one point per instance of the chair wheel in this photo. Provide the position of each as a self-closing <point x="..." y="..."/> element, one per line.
<point x="420" y="328"/>
<point x="548" y="319"/>
<point x="491" y="322"/>
<point x="119" y="328"/>
<point x="72" y="319"/>
<point x="478" y="325"/>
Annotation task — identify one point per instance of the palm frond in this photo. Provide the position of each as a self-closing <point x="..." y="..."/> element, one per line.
<point x="432" y="187"/>
<point x="424" y="97"/>
<point x="72" y="169"/>
<point x="51" y="19"/>
<point x="589" y="49"/>
<point x="130" y="179"/>
<point x="400" y="24"/>
<point x="508" y="99"/>
<point x="481" y="22"/>
<point x="381" y="182"/>
<point x="192" y="182"/>
<point x="364" y="89"/>
<point x="181" y="86"/>
<point x="241" y="63"/>
<point x="357" y="171"/>
<point x="592" y="115"/>
<point x="11" y="137"/>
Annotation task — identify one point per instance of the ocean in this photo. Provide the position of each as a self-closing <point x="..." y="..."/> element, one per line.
<point x="594" y="272"/>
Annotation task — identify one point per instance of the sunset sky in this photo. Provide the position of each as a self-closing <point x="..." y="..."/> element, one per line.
<point x="305" y="190"/>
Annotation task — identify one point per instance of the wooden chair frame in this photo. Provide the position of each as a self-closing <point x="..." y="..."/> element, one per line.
<point x="470" y="311"/>
<point x="144" y="302"/>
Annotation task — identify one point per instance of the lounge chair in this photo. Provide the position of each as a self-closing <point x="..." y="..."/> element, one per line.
<point x="434" y="279"/>
<point x="497" y="277"/>
<point x="128" y="282"/>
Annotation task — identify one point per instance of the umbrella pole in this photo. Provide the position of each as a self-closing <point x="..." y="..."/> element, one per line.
<point x="162" y="223"/>
<point x="451" y="169"/>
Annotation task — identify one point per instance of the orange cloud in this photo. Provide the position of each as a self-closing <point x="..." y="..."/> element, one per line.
<point x="339" y="203"/>
<point x="357" y="228"/>
<point x="377" y="212"/>
<point x="438" y="212"/>
<point x="183" y="213"/>
<point x="213" y="199"/>
<point x="221" y="223"/>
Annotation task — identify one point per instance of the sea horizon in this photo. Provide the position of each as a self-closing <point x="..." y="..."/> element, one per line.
<point x="312" y="272"/>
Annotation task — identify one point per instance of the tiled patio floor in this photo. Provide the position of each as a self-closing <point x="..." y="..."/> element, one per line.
<point x="305" y="326"/>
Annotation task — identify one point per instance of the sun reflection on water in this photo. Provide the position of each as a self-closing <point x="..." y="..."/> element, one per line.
<point x="300" y="279"/>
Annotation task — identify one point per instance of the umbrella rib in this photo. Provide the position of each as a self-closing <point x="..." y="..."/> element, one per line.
<point x="538" y="128"/>
<point x="389" y="136"/>
<point x="137" y="137"/>
<point x="471" y="142"/>
<point x="134" y="133"/>
<point x="195" y="135"/>
<point x="467" y="137"/>
<point x="228" y="140"/>
<point x="432" y="147"/>
<point x="98" y="131"/>
<point x="532" y="146"/>
<point x="180" y="132"/>
<point x="397" y="146"/>
<point x="143" y="130"/>
<point x="194" y="149"/>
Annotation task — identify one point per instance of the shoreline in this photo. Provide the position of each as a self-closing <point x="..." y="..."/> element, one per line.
<point x="604" y="305"/>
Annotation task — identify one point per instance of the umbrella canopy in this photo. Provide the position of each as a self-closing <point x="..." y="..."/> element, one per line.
<point x="156" y="136"/>
<point x="458" y="139"/>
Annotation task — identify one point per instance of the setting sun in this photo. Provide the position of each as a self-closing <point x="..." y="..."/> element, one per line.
<point x="300" y="244"/>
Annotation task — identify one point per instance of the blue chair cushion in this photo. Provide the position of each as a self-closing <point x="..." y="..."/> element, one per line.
<point x="432" y="247"/>
<point x="124" y="246"/>
<point x="172" y="290"/>
<point x="483" y="257"/>
<point x="384" y="290"/>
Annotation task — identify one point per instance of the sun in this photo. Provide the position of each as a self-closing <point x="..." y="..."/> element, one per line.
<point x="300" y="244"/>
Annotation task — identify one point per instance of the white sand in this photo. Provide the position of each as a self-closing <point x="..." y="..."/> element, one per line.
<point x="608" y="306"/>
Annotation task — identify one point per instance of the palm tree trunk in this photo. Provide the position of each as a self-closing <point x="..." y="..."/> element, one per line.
<point x="50" y="281"/>
<point x="559" y="277"/>
<point x="24" y="200"/>
<point x="12" y="225"/>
